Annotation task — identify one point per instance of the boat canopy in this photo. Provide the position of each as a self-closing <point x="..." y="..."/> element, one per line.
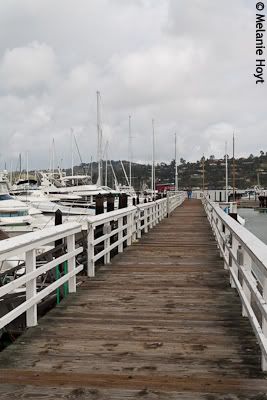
<point x="3" y="188"/>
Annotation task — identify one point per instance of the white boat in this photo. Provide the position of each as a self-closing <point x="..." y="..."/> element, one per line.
<point x="12" y="212"/>
<point x="51" y="208"/>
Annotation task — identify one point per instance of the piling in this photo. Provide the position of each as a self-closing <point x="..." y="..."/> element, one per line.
<point x="58" y="221"/>
<point x="99" y="204"/>
<point x="110" y="202"/>
<point x="123" y="200"/>
<point x="262" y="201"/>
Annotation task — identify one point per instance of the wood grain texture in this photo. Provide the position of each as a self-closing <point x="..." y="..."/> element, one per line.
<point x="159" y="322"/>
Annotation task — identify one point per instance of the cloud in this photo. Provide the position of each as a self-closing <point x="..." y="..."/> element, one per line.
<point x="188" y="65"/>
<point x="28" y="67"/>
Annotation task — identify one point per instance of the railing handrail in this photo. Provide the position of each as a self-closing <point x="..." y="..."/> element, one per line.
<point x="29" y="241"/>
<point x="132" y="222"/>
<point x="142" y="206"/>
<point x="28" y="244"/>
<point x="245" y="257"/>
<point x="109" y="216"/>
<point x="255" y="247"/>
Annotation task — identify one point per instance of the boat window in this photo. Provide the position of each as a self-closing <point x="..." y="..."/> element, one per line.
<point x="5" y="197"/>
<point x="13" y="214"/>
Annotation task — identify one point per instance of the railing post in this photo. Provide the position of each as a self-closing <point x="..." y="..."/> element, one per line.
<point x="71" y="263"/>
<point x="90" y="251"/>
<point x="168" y="204"/>
<point x="234" y="265"/>
<point x="129" y="229"/>
<point x="145" y="220"/>
<point x="264" y="323"/>
<point x="107" y="231"/>
<point x="149" y="213"/>
<point x="139" y="231"/>
<point x="31" y="290"/>
<point x="120" y="234"/>
<point x="107" y="255"/>
<point x="247" y="268"/>
<point x="155" y="213"/>
<point x="134" y="225"/>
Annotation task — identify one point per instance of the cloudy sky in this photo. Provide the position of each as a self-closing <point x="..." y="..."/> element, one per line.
<point x="187" y="64"/>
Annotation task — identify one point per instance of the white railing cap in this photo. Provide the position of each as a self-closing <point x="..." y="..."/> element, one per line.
<point x="109" y="216"/>
<point x="29" y="241"/>
<point x="147" y="205"/>
<point x="255" y="247"/>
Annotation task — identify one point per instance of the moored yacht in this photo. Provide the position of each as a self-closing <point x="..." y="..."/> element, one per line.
<point x="12" y="212"/>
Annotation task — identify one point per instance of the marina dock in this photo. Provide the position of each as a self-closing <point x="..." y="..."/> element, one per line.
<point x="161" y="321"/>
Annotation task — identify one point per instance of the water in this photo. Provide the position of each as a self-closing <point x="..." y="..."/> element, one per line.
<point x="256" y="222"/>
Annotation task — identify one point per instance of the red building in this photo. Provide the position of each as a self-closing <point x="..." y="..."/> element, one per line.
<point x="164" y="187"/>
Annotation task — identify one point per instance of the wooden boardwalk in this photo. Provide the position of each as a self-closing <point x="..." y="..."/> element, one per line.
<point x="160" y="322"/>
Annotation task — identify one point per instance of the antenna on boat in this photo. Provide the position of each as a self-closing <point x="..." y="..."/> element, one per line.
<point x="233" y="166"/>
<point x="175" y="159"/>
<point x="153" y="160"/>
<point x="226" y="173"/>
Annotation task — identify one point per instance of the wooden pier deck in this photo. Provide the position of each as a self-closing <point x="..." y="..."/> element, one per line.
<point x="160" y="322"/>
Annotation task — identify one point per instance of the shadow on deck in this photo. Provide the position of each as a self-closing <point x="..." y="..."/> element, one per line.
<point x="160" y="322"/>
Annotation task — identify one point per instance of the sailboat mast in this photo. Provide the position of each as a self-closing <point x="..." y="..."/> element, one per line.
<point x="153" y="160"/>
<point x="27" y="166"/>
<point x="106" y="172"/>
<point x="226" y="173"/>
<point x="176" y="171"/>
<point x="72" y="159"/>
<point x="20" y="164"/>
<point x="53" y="157"/>
<point x="99" y="139"/>
<point x="203" y="173"/>
<point x="130" y="150"/>
<point x="91" y="168"/>
<point x="233" y="166"/>
<point x="11" y="173"/>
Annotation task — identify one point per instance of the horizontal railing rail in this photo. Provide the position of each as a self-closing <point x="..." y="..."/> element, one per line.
<point x="106" y="232"/>
<point x="245" y="256"/>
<point x="116" y="229"/>
<point x="27" y="245"/>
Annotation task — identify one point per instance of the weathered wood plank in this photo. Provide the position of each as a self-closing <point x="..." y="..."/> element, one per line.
<point x="160" y="322"/>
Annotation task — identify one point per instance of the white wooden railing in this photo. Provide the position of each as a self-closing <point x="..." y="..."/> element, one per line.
<point x="124" y="226"/>
<point x="110" y="230"/>
<point x="174" y="201"/>
<point x="245" y="256"/>
<point x="28" y="244"/>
